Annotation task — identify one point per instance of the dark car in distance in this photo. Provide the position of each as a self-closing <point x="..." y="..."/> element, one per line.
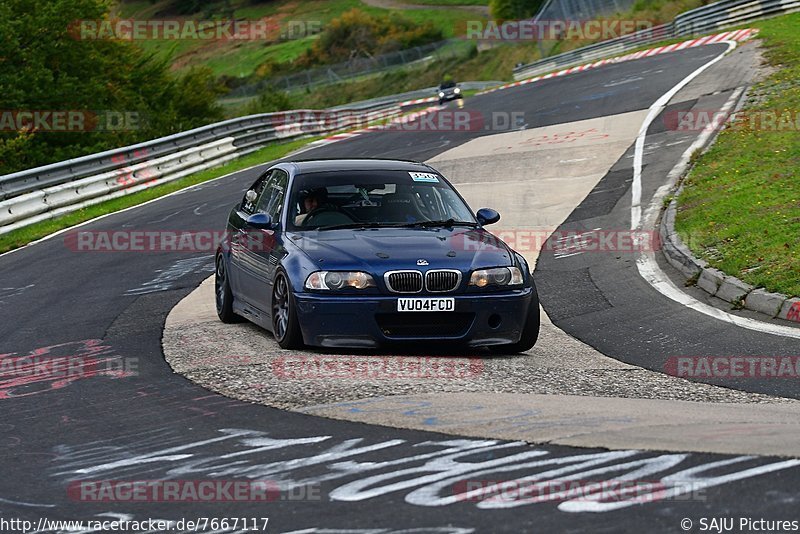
<point x="367" y="253"/>
<point x="449" y="91"/>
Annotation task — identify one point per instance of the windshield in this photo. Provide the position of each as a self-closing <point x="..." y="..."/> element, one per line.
<point x="447" y="85"/>
<point x="374" y="199"/>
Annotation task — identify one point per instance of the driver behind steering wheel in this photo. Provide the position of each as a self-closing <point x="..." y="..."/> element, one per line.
<point x="309" y="201"/>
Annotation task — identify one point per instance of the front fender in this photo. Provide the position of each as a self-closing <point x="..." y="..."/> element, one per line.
<point x="297" y="267"/>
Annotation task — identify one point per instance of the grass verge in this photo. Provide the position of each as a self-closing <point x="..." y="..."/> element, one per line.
<point x="740" y="207"/>
<point x="241" y="58"/>
<point x="23" y="236"/>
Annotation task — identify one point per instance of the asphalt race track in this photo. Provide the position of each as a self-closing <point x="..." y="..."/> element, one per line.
<point x="140" y="421"/>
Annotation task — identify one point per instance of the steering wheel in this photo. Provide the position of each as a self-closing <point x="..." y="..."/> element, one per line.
<point x="327" y="215"/>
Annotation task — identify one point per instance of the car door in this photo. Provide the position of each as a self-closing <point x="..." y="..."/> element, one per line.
<point x="237" y="231"/>
<point x="262" y="248"/>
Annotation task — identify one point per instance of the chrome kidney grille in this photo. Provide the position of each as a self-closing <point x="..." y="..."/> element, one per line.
<point x="441" y="281"/>
<point x="436" y="281"/>
<point x="404" y="281"/>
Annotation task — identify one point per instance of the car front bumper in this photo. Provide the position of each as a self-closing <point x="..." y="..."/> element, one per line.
<point x="449" y="96"/>
<point x="373" y="321"/>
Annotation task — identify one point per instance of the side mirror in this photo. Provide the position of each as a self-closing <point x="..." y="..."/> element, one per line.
<point x="487" y="216"/>
<point x="261" y="221"/>
<point x="251" y="196"/>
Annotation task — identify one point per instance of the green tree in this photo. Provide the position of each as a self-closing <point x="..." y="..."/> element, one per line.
<point x="46" y="65"/>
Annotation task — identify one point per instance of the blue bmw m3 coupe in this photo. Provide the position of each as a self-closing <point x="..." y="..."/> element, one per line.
<point x="368" y="253"/>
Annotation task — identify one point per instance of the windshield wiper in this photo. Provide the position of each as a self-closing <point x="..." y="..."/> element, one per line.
<point x="446" y="224"/>
<point x="449" y="223"/>
<point x="359" y="225"/>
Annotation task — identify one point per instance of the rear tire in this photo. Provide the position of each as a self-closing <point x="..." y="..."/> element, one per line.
<point x="223" y="293"/>
<point x="285" y="325"/>
<point x="530" y="332"/>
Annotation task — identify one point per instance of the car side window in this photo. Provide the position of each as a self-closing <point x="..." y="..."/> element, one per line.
<point x="271" y="201"/>
<point x="250" y="207"/>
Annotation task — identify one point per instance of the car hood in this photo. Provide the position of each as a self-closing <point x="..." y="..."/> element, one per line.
<point x="384" y="249"/>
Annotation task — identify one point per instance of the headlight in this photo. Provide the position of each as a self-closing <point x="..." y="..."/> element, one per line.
<point x="333" y="280"/>
<point x="441" y="94"/>
<point x="457" y="90"/>
<point x="499" y="276"/>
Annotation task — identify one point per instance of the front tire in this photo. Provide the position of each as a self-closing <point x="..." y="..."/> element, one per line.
<point x="223" y="293"/>
<point x="530" y="332"/>
<point x="285" y="325"/>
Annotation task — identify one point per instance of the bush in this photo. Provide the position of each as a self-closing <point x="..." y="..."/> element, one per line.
<point x="270" y="100"/>
<point x="359" y="34"/>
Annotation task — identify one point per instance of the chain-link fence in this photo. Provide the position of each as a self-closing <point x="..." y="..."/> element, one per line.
<point x="574" y="10"/>
<point x="582" y="9"/>
<point x="356" y="67"/>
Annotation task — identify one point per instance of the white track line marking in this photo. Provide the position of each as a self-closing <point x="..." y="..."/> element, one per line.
<point x="648" y="266"/>
<point x="654" y="110"/>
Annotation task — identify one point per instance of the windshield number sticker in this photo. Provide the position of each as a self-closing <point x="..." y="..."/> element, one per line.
<point x="424" y="177"/>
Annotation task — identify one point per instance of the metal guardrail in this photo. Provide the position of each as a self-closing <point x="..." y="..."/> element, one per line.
<point x="697" y="21"/>
<point x="45" y="192"/>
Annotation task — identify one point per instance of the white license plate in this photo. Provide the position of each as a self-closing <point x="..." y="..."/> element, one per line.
<point x="426" y="305"/>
